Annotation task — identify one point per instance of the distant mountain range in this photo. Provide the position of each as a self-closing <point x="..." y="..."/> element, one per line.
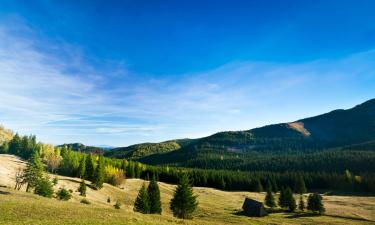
<point x="352" y="129"/>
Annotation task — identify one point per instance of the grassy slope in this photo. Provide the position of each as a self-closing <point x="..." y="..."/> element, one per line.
<point x="216" y="207"/>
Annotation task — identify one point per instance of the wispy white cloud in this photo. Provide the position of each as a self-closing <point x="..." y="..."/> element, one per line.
<point x="63" y="98"/>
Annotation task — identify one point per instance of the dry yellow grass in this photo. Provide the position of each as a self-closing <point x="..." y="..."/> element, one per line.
<point x="215" y="206"/>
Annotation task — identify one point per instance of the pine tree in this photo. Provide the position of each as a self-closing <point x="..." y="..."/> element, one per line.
<point x="98" y="178"/>
<point x="34" y="171"/>
<point x="269" y="199"/>
<point x="283" y="199"/>
<point x="286" y="199"/>
<point x="82" y="168"/>
<point x="301" y="204"/>
<point x="90" y="168"/>
<point x="315" y="203"/>
<point x="142" y="203"/>
<point x="82" y="188"/>
<point x="299" y="185"/>
<point x="154" y="196"/>
<point x="291" y="202"/>
<point x="184" y="202"/>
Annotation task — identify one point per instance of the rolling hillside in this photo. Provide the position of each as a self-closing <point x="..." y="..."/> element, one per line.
<point x="335" y="131"/>
<point x="141" y="150"/>
<point x="19" y="207"/>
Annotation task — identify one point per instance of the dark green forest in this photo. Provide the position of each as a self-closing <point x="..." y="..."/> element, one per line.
<point x="65" y="161"/>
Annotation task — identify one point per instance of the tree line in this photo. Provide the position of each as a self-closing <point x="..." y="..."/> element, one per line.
<point x="100" y="169"/>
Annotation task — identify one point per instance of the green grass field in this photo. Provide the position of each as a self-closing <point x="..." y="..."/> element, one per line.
<point x="215" y="206"/>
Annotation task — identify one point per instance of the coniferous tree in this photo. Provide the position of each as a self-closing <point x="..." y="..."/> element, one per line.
<point x="301" y="204"/>
<point x="184" y="202"/>
<point x="34" y="171"/>
<point x="142" y="203"/>
<point x="269" y="199"/>
<point x="98" y="178"/>
<point x="90" y="168"/>
<point x="290" y="200"/>
<point x="82" y="168"/>
<point x="315" y="203"/>
<point x="286" y="199"/>
<point x="299" y="185"/>
<point x="130" y="170"/>
<point x="283" y="203"/>
<point x="82" y="188"/>
<point x="154" y="196"/>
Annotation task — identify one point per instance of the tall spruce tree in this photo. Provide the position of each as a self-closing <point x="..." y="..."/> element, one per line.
<point x="184" y="202"/>
<point x="81" y="168"/>
<point x="90" y="168"/>
<point x="98" y="178"/>
<point x="286" y="199"/>
<point x="315" y="203"/>
<point x="34" y="171"/>
<point x="269" y="199"/>
<point x="154" y="196"/>
<point x="142" y="203"/>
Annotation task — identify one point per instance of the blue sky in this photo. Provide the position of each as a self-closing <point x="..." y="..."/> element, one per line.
<point x="119" y="73"/>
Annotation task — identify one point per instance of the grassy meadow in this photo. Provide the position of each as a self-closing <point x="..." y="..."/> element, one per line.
<point x="215" y="206"/>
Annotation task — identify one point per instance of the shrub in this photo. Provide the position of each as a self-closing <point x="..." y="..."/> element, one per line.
<point x="114" y="175"/>
<point x="85" y="201"/>
<point x="44" y="187"/>
<point x="82" y="188"/>
<point x="55" y="180"/>
<point x="117" y="205"/>
<point x="64" y="194"/>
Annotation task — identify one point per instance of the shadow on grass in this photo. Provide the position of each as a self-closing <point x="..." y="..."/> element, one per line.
<point x="350" y="218"/>
<point x="344" y="193"/>
<point x="238" y="213"/>
<point x="78" y="182"/>
<point x="4" y="193"/>
<point x="309" y="214"/>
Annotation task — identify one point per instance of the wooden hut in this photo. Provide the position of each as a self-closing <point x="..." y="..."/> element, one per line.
<point x="252" y="207"/>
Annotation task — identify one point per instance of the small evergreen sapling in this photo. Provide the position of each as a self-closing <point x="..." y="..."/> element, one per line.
<point x="82" y="188"/>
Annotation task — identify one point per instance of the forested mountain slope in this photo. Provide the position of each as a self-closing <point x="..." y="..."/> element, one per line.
<point x="141" y="150"/>
<point x="339" y="131"/>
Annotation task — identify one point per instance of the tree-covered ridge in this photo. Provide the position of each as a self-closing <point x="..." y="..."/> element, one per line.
<point x="5" y="135"/>
<point x="239" y="149"/>
<point x="84" y="148"/>
<point x="141" y="150"/>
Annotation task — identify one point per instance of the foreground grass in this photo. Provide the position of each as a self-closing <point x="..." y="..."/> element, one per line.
<point x="216" y="207"/>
